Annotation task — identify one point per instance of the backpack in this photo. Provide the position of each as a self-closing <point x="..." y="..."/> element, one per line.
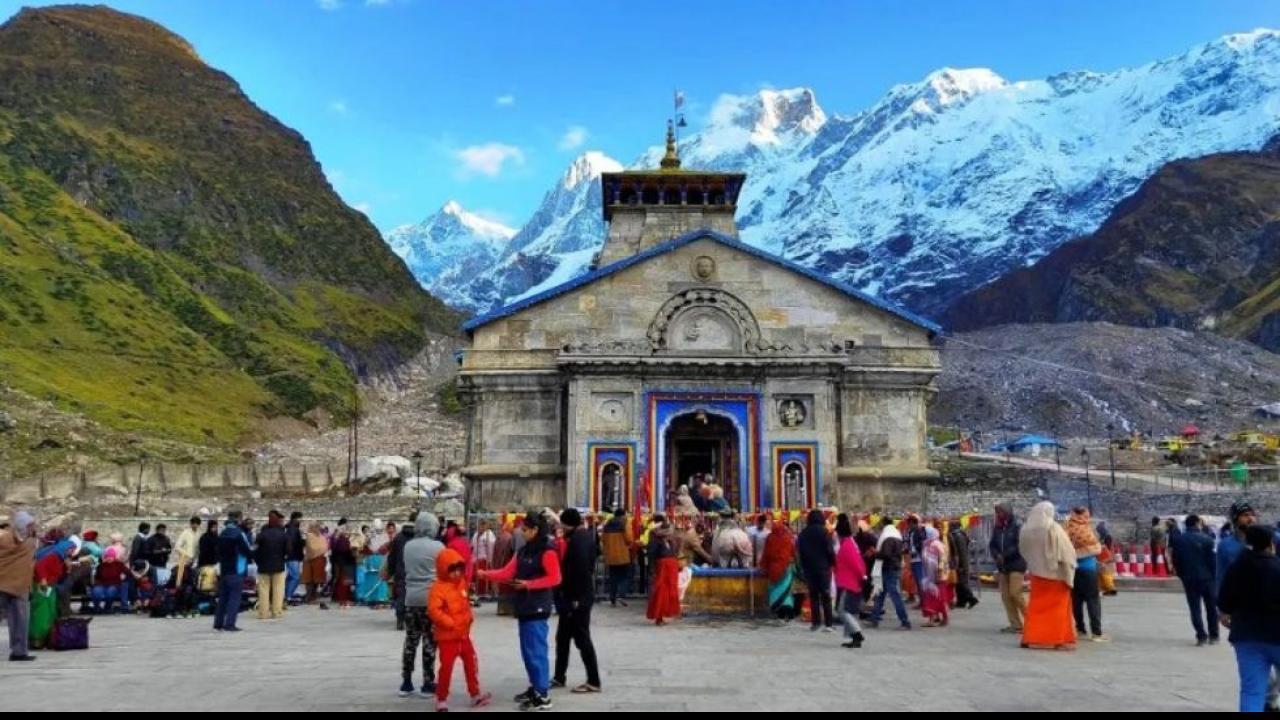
<point x="70" y="633"/>
<point x="891" y="552"/>
<point x="207" y="581"/>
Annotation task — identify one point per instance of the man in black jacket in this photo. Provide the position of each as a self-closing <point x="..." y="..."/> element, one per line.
<point x="574" y="598"/>
<point x="1194" y="561"/>
<point x="394" y="566"/>
<point x="1250" y="603"/>
<point x="156" y="550"/>
<point x="817" y="559"/>
<point x="294" y="555"/>
<point x="234" y="551"/>
<point x="270" y="548"/>
<point x="1011" y="567"/>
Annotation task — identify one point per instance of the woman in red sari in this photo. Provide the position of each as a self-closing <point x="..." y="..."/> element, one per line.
<point x="664" y="598"/>
<point x="778" y="563"/>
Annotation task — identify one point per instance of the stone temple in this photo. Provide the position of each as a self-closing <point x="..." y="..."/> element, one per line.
<point x="686" y="353"/>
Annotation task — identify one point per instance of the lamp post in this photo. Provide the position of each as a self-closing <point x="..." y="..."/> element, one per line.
<point x="1111" y="450"/>
<point x="417" y="471"/>
<point x="137" y="500"/>
<point x="1088" y="479"/>
<point x="1057" y="451"/>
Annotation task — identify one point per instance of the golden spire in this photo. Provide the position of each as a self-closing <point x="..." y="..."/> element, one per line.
<point x="671" y="161"/>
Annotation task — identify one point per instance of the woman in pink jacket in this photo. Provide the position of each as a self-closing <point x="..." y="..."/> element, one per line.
<point x="851" y="573"/>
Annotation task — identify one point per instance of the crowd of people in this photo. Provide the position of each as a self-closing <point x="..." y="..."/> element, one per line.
<point x="838" y="566"/>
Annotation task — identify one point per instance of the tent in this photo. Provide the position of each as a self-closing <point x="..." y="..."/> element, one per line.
<point x="1271" y="411"/>
<point x="1033" y="444"/>
<point x="1190" y="431"/>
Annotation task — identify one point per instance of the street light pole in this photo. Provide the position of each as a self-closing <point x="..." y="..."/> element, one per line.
<point x="137" y="501"/>
<point x="1111" y="451"/>
<point x="1057" y="451"/>
<point x="1088" y="479"/>
<point x="417" y="461"/>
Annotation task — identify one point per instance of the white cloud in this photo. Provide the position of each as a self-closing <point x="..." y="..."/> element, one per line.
<point x="329" y="5"/>
<point x="505" y="100"/>
<point x="336" y="177"/>
<point x="574" y="138"/>
<point x="339" y="107"/>
<point x="488" y="159"/>
<point x="363" y="207"/>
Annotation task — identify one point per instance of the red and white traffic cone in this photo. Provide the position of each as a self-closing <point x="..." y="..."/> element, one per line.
<point x="1143" y="564"/>
<point x="1122" y="565"/>
<point x="1160" y="570"/>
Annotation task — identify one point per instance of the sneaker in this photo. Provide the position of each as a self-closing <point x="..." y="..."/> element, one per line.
<point x="481" y="700"/>
<point x="428" y="689"/>
<point x="21" y="658"/>
<point x="556" y="683"/>
<point x="537" y="703"/>
<point x="1213" y="641"/>
<point x="904" y="627"/>
<point x="442" y="706"/>
<point x="828" y="629"/>
<point x="406" y="688"/>
<point x="815" y="628"/>
<point x="854" y="642"/>
<point x="524" y="697"/>
<point x="1100" y="639"/>
<point x="1201" y="642"/>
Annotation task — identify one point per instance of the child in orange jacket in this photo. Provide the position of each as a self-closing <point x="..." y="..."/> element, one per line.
<point x="450" y="611"/>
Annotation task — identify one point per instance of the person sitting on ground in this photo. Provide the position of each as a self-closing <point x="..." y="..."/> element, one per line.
<point x="140" y="583"/>
<point x="109" y="583"/>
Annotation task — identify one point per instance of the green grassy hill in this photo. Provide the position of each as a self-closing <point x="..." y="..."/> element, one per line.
<point x="172" y="259"/>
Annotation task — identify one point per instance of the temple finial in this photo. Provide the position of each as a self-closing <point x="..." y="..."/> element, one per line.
<point x="671" y="160"/>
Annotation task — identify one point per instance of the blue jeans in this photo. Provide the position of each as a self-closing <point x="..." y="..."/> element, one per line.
<point x="1201" y="592"/>
<point x="917" y="572"/>
<point x="109" y="594"/>
<point x="892" y="588"/>
<point x="230" y="588"/>
<point x="293" y="577"/>
<point x="1255" y="661"/>
<point x="536" y="654"/>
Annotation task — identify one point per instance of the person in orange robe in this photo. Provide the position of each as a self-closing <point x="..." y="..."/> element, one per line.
<point x="1051" y="565"/>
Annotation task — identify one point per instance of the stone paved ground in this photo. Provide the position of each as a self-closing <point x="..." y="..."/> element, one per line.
<point x="349" y="660"/>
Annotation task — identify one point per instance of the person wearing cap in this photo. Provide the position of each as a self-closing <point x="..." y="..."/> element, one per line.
<point x="234" y="550"/>
<point x="1231" y="545"/>
<point x="17" y="563"/>
<point x="1194" y="563"/>
<point x="270" y="547"/>
<point x="420" y="555"/>
<point x="574" y="598"/>
<point x="1248" y="600"/>
<point x="533" y="573"/>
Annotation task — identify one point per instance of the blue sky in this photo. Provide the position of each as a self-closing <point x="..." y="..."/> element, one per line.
<point x="409" y="103"/>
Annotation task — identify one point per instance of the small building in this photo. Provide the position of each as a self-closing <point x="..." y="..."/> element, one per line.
<point x="686" y="356"/>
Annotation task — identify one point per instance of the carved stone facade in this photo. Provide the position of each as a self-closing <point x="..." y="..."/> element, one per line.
<point x="699" y="358"/>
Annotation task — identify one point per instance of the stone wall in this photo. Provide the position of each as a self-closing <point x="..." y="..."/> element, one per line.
<point x="167" y="479"/>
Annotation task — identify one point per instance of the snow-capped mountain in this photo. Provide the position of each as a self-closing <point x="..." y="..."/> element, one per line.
<point x="942" y="185"/>
<point x="448" y="248"/>
<point x="556" y="244"/>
